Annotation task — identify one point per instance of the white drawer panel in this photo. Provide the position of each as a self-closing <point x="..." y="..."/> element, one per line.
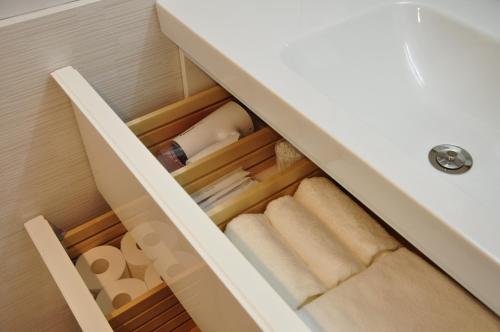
<point x="222" y="292"/>
<point x="85" y="309"/>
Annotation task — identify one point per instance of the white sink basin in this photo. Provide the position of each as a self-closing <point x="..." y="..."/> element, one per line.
<point x="366" y="88"/>
<point x="415" y="76"/>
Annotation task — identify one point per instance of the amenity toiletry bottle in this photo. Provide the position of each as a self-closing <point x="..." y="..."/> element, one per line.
<point x="222" y="127"/>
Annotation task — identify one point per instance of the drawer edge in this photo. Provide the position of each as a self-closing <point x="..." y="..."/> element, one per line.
<point x="100" y="124"/>
<point x="81" y="303"/>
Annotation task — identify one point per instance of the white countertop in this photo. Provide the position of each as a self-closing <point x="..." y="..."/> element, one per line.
<point x="379" y="156"/>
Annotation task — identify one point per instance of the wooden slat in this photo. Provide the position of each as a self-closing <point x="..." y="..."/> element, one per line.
<point x="177" y="110"/>
<point x="89" y="228"/>
<point x="186" y="326"/>
<point x="265" y="164"/>
<point x="225" y="156"/>
<point x="172" y="129"/>
<point x="98" y="239"/>
<point x="138" y="305"/>
<point x="163" y="318"/>
<point x="116" y="242"/>
<point x="173" y="323"/>
<point x="248" y="162"/>
<point x="290" y="190"/>
<point x="147" y="314"/>
<point x="231" y="208"/>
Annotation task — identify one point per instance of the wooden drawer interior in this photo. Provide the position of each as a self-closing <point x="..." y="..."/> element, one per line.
<point x="156" y="310"/>
<point x="253" y="153"/>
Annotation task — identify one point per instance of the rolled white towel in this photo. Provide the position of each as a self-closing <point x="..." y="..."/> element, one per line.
<point x="399" y="292"/>
<point x="322" y="252"/>
<point x="346" y="219"/>
<point x="286" y="273"/>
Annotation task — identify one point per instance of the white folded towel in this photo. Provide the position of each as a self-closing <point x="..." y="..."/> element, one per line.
<point x="322" y="252"/>
<point x="399" y="292"/>
<point x="345" y="218"/>
<point x="262" y="246"/>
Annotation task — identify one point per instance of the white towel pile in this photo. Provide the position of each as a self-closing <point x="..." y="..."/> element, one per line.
<point x="320" y="240"/>
<point x="347" y="220"/>
<point x="322" y="252"/>
<point x="262" y="246"/>
<point x="399" y="292"/>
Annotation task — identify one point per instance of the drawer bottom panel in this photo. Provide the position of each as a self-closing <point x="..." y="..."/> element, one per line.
<point x="156" y="309"/>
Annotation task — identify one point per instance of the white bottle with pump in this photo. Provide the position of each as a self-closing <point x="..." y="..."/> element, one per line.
<point x="222" y="127"/>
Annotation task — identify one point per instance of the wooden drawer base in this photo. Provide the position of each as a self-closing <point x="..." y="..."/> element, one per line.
<point x="158" y="308"/>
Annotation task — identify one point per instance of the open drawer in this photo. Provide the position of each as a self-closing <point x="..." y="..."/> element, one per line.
<point x="222" y="292"/>
<point x="156" y="309"/>
<point x="211" y="279"/>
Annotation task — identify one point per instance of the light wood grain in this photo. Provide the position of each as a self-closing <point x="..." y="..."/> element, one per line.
<point x="119" y="48"/>
<point x="139" y="305"/>
<point x="289" y="190"/>
<point x="90" y="228"/>
<point x="251" y="162"/>
<point x="170" y="317"/>
<point x="101" y="238"/>
<point x="174" y="128"/>
<point x="224" y="156"/>
<point x="177" y="110"/>
<point x="148" y="314"/>
<point x="187" y="326"/>
<point x="226" y="211"/>
<point x="173" y="323"/>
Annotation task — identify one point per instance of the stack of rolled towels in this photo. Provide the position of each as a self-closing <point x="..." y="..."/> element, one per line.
<point x="117" y="276"/>
<point x="330" y="260"/>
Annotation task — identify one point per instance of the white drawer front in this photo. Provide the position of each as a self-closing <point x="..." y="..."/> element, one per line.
<point x="221" y="290"/>
<point x="85" y="309"/>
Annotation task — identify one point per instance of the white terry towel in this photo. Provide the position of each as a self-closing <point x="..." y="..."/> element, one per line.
<point x="399" y="292"/>
<point x="262" y="246"/>
<point x="346" y="219"/>
<point x="322" y="252"/>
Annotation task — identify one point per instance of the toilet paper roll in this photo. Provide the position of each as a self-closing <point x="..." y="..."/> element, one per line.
<point x="152" y="278"/>
<point x="101" y="265"/>
<point x="118" y="293"/>
<point x="154" y="238"/>
<point x="175" y="264"/>
<point x="137" y="261"/>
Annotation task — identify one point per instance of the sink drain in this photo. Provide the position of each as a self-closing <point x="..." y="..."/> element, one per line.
<point x="450" y="159"/>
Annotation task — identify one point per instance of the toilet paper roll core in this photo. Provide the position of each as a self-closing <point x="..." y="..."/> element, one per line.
<point x="101" y="265"/>
<point x="118" y="293"/>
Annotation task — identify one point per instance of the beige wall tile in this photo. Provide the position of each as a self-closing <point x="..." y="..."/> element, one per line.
<point x="118" y="47"/>
<point x="30" y="300"/>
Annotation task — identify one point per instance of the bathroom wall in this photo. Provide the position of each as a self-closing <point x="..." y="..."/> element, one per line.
<point x="118" y="47"/>
<point x="9" y="8"/>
